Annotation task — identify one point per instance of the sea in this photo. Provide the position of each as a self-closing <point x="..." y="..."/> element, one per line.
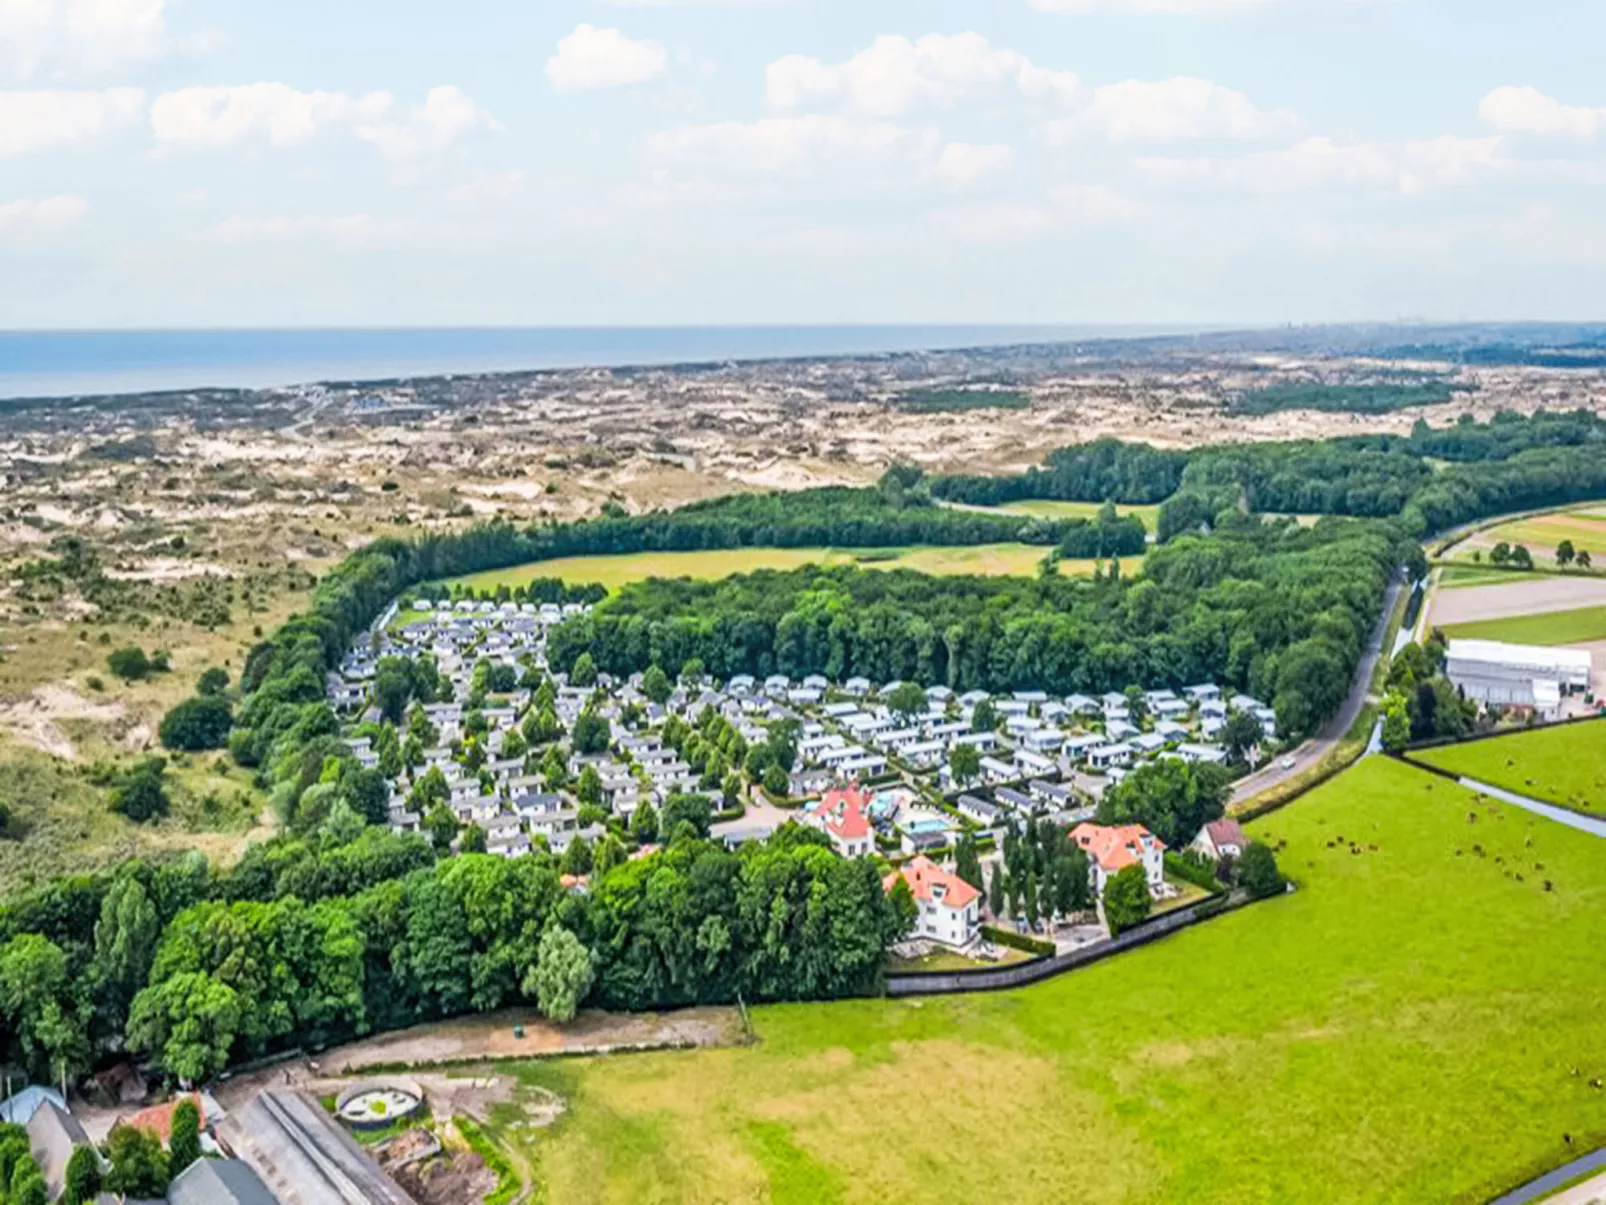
<point x="47" y="364"/>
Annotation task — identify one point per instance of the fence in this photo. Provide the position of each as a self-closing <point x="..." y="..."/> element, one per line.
<point x="1020" y="974"/>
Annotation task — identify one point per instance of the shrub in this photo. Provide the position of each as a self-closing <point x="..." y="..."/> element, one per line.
<point x="1126" y="899"/>
<point x="1192" y="870"/>
<point x="1257" y="870"/>
<point x="507" y="1180"/>
<point x="130" y="663"/>
<point x="1019" y="941"/>
<point x="141" y="793"/>
<point x="201" y="722"/>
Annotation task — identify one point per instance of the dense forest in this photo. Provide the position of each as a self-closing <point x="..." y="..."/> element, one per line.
<point x="312" y="941"/>
<point x="1262" y="605"/>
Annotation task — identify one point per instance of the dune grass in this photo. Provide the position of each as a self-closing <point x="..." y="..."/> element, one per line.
<point x="1401" y="1029"/>
<point x="1563" y="763"/>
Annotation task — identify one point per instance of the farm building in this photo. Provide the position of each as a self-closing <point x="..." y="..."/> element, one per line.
<point x="1517" y="675"/>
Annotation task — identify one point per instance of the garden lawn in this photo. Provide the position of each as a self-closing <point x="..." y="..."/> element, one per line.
<point x="1048" y="508"/>
<point x="1019" y="560"/>
<point x="1402" y="1029"/>
<point x="1549" y="627"/>
<point x="1564" y="763"/>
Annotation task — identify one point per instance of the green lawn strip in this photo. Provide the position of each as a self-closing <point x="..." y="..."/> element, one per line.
<point x="1563" y="764"/>
<point x="1401" y="1029"/>
<point x="1549" y="628"/>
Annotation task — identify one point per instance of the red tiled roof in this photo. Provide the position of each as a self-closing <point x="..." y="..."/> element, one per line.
<point x="843" y="813"/>
<point x="922" y="875"/>
<point x="1226" y="832"/>
<point x="1115" y="848"/>
<point x="158" y="1119"/>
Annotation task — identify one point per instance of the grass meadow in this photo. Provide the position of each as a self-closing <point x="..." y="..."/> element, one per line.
<point x="1550" y="627"/>
<point x="614" y="572"/>
<point x="1562" y="764"/>
<point x="1403" y="1028"/>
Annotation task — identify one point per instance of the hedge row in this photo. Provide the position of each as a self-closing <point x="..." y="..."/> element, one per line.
<point x="1019" y="941"/>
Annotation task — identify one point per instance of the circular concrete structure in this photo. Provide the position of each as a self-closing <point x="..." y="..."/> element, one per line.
<point x="375" y="1104"/>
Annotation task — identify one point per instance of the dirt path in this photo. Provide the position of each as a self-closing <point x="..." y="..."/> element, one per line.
<point x="1469" y="604"/>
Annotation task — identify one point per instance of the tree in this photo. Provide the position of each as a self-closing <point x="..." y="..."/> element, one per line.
<point x="905" y="910"/>
<point x="1172" y="799"/>
<point x="655" y="684"/>
<point x="82" y="1178"/>
<point x="584" y="672"/>
<point x="42" y="1004"/>
<point x="28" y="1184"/>
<point x="213" y="681"/>
<point x="561" y="976"/>
<point x="1257" y="870"/>
<point x="1126" y="899"/>
<point x="141" y="793"/>
<point x="554" y="770"/>
<point x="907" y="701"/>
<point x="1521" y="557"/>
<point x="610" y="852"/>
<point x="776" y="782"/>
<point x="995" y="891"/>
<point x="1241" y="735"/>
<point x="1500" y="554"/>
<point x="985" y="717"/>
<point x="139" y="1165"/>
<point x="1583" y="559"/>
<point x="589" y="787"/>
<point x="125" y="944"/>
<point x="184" y="1139"/>
<point x="1396" y="722"/>
<point x="691" y="809"/>
<point x="644" y="823"/>
<point x="189" y="1021"/>
<point x="199" y="722"/>
<point x="964" y="763"/>
<point x="1565" y="553"/>
<point x="592" y="732"/>
<point x="967" y="863"/>
<point x="129" y="663"/>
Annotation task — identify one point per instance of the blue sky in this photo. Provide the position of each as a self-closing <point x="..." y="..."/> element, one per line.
<point x="215" y="162"/>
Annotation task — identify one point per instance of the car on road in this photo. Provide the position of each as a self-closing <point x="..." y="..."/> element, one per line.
<point x="1288" y="762"/>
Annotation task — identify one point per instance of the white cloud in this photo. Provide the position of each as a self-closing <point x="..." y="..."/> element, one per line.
<point x="961" y="164"/>
<point x="277" y="115"/>
<point x="1067" y="207"/>
<point x="592" y="58"/>
<point x="77" y="38"/>
<point x="1320" y="163"/>
<point x="41" y="216"/>
<point x="1527" y="110"/>
<point x="792" y="146"/>
<point x="447" y="115"/>
<point x="1183" y="8"/>
<point x="1173" y="110"/>
<point x="350" y="230"/>
<point x="64" y="119"/>
<point x="894" y="76"/>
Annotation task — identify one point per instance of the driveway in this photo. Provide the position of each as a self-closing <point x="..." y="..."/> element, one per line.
<point x="1319" y="746"/>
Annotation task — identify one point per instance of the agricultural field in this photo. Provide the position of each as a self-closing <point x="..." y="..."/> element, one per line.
<point x="1563" y="764"/>
<point x="1553" y="627"/>
<point x="1455" y="576"/>
<point x="1586" y="528"/>
<point x="993" y="560"/>
<point x="1047" y="508"/>
<point x="1374" y="1037"/>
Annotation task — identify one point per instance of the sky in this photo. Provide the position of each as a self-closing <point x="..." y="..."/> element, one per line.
<point x="192" y="163"/>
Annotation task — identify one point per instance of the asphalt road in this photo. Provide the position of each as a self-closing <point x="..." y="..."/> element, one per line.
<point x="1318" y="747"/>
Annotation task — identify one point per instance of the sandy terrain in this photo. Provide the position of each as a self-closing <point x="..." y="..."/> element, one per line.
<point x="1472" y="603"/>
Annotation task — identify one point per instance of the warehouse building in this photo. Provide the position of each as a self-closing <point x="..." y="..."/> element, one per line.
<point x="1517" y="675"/>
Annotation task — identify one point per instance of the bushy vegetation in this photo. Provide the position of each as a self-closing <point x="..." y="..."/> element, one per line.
<point x="1384" y="397"/>
<point x="1266" y="606"/>
<point x="312" y="942"/>
<point x="954" y="401"/>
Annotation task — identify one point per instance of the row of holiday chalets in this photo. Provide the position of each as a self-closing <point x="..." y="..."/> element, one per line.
<point x="1033" y="753"/>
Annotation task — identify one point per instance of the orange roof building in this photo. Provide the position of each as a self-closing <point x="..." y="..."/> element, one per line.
<point x="950" y="908"/>
<point x="841" y="815"/>
<point x="1112" y="849"/>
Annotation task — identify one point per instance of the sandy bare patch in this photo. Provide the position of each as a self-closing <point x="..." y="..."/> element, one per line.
<point x="167" y="569"/>
<point x="1469" y="604"/>
<point x="35" y="719"/>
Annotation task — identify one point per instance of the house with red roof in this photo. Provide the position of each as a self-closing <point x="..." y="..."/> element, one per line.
<point x="1220" y="839"/>
<point x="950" y="908"/>
<point x="1111" y="849"/>
<point x="843" y="815"/>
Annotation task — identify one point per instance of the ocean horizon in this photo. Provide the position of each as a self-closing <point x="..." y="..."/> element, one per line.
<point x="76" y="363"/>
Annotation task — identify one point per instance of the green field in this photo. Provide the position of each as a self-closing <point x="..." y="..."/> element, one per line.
<point x="1045" y="508"/>
<point x="1455" y="575"/>
<point x="1541" y="534"/>
<point x="615" y="571"/>
<point x="1402" y="1029"/>
<point x="1548" y="627"/>
<point x="1563" y="764"/>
